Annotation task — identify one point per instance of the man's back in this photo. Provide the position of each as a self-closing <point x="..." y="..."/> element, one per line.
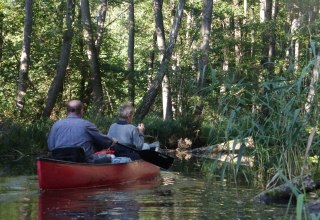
<point x="71" y="132"/>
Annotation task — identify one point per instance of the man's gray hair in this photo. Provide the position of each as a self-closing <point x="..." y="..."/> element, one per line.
<point x="126" y="110"/>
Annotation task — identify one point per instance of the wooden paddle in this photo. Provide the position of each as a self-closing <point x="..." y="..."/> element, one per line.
<point x="159" y="159"/>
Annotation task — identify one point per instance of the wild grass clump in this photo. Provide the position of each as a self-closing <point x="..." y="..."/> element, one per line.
<point x="275" y="116"/>
<point x="20" y="144"/>
<point x="23" y="138"/>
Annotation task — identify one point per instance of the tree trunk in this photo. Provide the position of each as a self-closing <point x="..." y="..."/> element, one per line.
<point x="151" y="59"/>
<point x="204" y="58"/>
<point x="25" y="56"/>
<point x="268" y="35"/>
<point x="1" y="35"/>
<point x="262" y="10"/>
<point x="252" y="32"/>
<point x="180" y="95"/>
<point x="237" y="35"/>
<point x="205" y="32"/>
<point x="93" y="57"/>
<point x="100" y="26"/>
<point x="157" y="7"/>
<point x="293" y="49"/>
<point x="272" y="39"/>
<point x="166" y="99"/>
<point x="315" y="48"/>
<point x="313" y="84"/>
<point x="174" y="78"/>
<point x="152" y="93"/>
<point x="166" y="92"/>
<point x="56" y="86"/>
<point x="190" y="38"/>
<point x="296" y="54"/>
<point x="85" y="90"/>
<point x="131" y="77"/>
<point x="226" y="62"/>
<point x="245" y="11"/>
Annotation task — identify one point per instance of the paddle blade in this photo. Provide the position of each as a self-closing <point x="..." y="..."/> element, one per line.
<point x="157" y="158"/>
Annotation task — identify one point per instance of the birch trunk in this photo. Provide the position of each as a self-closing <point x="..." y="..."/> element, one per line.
<point x="293" y="51"/>
<point x="25" y="57"/>
<point x="313" y="84"/>
<point x="166" y="92"/>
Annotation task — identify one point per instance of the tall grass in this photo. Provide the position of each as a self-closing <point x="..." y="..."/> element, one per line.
<point x="20" y="144"/>
<point x="274" y="116"/>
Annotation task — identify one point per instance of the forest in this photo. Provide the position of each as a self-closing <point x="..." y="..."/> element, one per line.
<point x="207" y="71"/>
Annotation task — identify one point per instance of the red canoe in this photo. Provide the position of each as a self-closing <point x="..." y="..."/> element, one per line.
<point x="57" y="174"/>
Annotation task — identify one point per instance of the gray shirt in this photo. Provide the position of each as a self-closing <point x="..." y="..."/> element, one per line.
<point x="126" y="134"/>
<point x="74" y="131"/>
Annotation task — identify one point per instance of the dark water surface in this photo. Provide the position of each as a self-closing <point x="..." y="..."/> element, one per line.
<point x="176" y="195"/>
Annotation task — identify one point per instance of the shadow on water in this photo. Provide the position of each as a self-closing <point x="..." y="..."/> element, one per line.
<point x="180" y="193"/>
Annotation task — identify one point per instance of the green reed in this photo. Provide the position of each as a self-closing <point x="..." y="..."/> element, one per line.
<point x="274" y="116"/>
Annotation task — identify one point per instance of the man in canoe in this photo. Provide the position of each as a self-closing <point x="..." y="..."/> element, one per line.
<point x="76" y="132"/>
<point x="128" y="134"/>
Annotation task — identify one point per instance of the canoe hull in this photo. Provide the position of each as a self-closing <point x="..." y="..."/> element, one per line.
<point x="55" y="174"/>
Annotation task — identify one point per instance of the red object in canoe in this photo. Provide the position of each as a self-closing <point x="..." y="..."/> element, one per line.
<point x="57" y="174"/>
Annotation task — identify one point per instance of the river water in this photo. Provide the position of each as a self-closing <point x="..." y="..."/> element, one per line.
<point x="181" y="195"/>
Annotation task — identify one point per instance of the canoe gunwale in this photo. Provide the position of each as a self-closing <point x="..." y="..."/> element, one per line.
<point x="48" y="159"/>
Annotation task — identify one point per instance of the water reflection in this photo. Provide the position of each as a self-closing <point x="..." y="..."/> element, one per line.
<point x="86" y="204"/>
<point x="115" y="202"/>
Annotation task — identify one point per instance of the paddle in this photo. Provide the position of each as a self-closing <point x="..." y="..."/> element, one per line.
<point x="154" y="157"/>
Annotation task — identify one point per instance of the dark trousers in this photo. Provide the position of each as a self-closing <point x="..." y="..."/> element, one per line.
<point x="120" y="151"/>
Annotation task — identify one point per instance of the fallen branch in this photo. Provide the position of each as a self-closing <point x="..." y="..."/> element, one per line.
<point x="282" y="193"/>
